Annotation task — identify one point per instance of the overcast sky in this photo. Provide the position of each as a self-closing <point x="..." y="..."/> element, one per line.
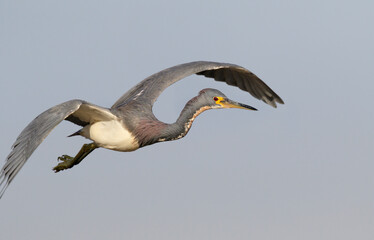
<point x="301" y="171"/>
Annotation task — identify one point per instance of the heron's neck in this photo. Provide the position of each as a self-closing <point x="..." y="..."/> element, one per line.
<point x="183" y="124"/>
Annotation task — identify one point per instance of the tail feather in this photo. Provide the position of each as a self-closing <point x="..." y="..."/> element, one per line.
<point x="77" y="133"/>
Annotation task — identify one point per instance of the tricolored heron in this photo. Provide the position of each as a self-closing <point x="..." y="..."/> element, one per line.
<point x="130" y="123"/>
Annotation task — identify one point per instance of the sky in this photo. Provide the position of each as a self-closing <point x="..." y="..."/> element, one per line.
<point x="301" y="171"/>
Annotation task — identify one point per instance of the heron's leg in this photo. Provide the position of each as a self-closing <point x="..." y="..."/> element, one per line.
<point x="68" y="162"/>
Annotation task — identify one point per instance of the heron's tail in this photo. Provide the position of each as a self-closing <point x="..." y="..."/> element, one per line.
<point x="77" y="133"/>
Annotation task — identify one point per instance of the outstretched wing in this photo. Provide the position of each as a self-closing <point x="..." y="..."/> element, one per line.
<point x="77" y="111"/>
<point x="148" y="90"/>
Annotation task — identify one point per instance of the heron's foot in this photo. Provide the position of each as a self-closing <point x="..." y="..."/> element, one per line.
<point x="66" y="163"/>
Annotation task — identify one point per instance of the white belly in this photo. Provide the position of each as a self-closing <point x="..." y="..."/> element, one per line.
<point x="111" y="135"/>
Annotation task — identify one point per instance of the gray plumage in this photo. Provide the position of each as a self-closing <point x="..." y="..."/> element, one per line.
<point x="131" y="118"/>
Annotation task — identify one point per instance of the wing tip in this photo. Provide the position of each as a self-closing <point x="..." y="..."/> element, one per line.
<point x="272" y="101"/>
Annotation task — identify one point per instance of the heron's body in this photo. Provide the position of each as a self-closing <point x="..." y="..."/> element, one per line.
<point x="112" y="135"/>
<point x="130" y="123"/>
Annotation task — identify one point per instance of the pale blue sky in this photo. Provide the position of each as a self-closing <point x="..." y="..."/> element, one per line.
<point x="302" y="171"/>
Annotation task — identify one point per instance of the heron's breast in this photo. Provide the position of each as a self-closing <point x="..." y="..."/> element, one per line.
<point x="112" y="135"/>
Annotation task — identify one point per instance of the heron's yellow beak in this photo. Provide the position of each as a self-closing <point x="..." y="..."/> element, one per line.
<point x="227" y="103"/>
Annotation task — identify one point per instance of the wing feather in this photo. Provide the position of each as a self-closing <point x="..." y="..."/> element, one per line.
<point x="148" y="90"/>
<point x="38" y="129"/>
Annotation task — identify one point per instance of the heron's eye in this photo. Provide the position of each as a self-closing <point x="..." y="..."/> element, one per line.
<point x="215" y="99"/>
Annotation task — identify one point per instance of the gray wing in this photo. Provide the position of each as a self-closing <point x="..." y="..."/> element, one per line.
<point x="77" y="111"/>
<point x="148" y="90"/>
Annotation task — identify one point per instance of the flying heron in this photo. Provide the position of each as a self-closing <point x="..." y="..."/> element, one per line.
<point x="130" y="123"/>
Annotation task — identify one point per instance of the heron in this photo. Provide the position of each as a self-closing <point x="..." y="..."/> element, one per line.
<point x="130" y="123"/>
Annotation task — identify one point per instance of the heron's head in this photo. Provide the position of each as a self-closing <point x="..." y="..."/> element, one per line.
<point x="216" y="99"/>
